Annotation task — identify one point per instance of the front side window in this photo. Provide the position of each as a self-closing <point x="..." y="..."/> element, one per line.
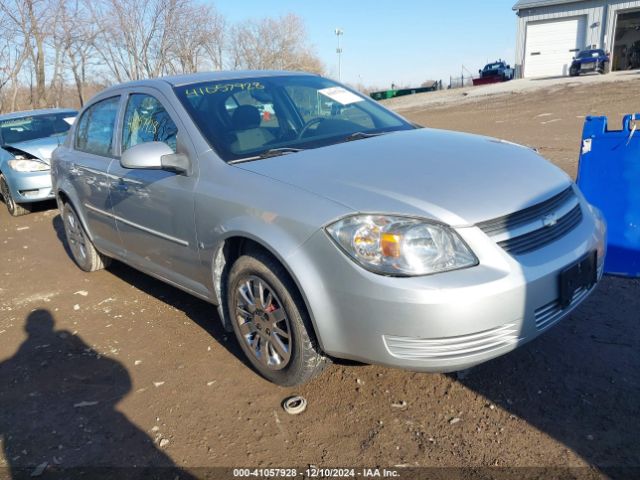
<point x="146" y="120"/>
<point x="94" y="133"/>
<point x="33" y="127"/>
<point x="249" y="117"/>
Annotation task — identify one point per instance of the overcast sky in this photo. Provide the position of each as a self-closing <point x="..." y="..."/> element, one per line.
<point x="406" y="42"/>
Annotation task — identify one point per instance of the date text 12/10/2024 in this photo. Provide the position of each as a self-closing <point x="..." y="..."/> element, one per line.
<point x="315" y="472"/>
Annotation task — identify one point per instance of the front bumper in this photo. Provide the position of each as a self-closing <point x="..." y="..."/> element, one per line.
<point x="443" y="322"/>
<point x="591" y="66"/>
<point x="29" y="187"/>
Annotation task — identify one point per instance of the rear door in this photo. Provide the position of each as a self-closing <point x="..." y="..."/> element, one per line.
<point x="88" y="165"/>
<point x="154" y="209"/>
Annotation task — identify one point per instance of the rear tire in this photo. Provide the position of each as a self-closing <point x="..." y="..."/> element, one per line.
<point x="15" y="209"/>
<point x="82" y="248"/>
<point x="271" y="322"/>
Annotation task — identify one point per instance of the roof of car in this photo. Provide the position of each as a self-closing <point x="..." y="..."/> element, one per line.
<point x="178" y="80"/>
<point x="30" y="113"/>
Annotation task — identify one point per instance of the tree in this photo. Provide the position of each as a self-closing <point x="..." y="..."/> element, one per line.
<point x="194" y="44"/>
<point x="76" y="34"/>
<point x="54" y="51"/>
<point x="13" y="54"/>
<point x="273" y="43"/>
<point x="215" y="41"/>
<point x="31" y="20"/>
<point x="131" y="40"/>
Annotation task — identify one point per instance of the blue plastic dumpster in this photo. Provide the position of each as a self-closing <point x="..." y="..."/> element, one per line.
<point x="609" y="177"/>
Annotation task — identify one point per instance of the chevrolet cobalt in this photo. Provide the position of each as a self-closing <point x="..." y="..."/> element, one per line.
<point x="323" y="225"/>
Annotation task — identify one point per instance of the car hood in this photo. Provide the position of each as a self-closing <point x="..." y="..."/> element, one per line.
<point x="455" y="178"/>
<point x="40" y="148"/>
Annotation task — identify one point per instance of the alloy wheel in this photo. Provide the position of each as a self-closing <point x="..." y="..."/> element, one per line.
<point x="75" y="235"/>
<point x="263" y="323"/>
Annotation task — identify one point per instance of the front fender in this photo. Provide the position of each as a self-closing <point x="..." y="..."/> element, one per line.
<point x="278" y="241"/>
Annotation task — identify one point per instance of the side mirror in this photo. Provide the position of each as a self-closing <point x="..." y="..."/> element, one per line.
<point x="154" y="156"/>
<point x="480" y="72"/>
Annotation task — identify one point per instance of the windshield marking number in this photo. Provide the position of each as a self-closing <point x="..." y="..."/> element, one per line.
<point x="223" y="88"/>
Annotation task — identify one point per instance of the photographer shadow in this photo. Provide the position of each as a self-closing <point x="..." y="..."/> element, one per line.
<point x="58" y="411"/>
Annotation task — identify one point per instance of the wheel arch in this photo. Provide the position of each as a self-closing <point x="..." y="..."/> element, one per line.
<point x="233" y="247"/>
<point x="63" y="197"/>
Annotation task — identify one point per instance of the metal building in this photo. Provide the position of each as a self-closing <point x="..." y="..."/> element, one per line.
<point x="551" y="32"/>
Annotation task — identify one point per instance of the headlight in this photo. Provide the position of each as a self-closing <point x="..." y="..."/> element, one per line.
<point x="21" y="165"/>
<point x="401" y="246"/>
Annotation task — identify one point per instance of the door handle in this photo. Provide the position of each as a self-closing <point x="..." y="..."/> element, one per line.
<point x="120" y="185"/>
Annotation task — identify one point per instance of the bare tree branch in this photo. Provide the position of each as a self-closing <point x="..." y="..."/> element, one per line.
<point x="273" y="43"/>
<point x="54" y="50"/>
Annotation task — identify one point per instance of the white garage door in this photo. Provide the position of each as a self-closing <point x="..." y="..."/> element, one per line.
<point x="551" y="45"/>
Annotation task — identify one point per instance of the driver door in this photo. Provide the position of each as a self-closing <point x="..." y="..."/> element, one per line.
<point x="154" y="209"/>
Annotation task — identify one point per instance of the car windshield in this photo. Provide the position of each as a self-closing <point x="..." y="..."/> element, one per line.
<point x="493" y="66"/>
<point x="23" y="129"/>
<point x="254" y="117"/>
<point x="591" y="53"/>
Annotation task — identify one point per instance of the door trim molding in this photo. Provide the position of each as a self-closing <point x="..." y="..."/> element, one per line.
<point x="156" y="233"/>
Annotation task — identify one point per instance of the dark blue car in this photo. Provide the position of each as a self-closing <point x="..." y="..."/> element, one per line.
<point x="591" y="60"/>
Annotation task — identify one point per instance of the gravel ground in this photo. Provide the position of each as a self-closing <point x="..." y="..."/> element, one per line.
<point x="115" y="368"/>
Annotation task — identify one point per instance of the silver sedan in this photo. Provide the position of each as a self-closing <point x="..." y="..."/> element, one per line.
<point x="323" y="225"/>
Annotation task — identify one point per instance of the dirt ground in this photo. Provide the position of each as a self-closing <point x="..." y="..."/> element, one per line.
<point x="116" y="368"/>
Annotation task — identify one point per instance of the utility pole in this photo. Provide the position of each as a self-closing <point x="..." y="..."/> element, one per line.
<point x="339" y="32"/>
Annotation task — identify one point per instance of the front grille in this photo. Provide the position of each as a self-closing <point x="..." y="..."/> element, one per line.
<point x="539" y="238"/>
<point x="525" y="231"/>
<point x="528" y="215"/>
<point x="452" y="347"/>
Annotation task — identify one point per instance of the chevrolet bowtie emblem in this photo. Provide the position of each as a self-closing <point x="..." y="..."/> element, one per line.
<point x="550" y="220"/>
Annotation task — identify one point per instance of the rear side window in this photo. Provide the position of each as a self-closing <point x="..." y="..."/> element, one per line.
<point x="146" y="120"/>
<point x="94" y="133"/>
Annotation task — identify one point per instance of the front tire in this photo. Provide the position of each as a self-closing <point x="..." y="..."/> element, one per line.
<point x="15" y="209"/>
<point x="271" y="323"/>
<point x="82" y="248"/>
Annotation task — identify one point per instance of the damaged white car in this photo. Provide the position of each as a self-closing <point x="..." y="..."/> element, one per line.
<point x="27" y="140"/>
